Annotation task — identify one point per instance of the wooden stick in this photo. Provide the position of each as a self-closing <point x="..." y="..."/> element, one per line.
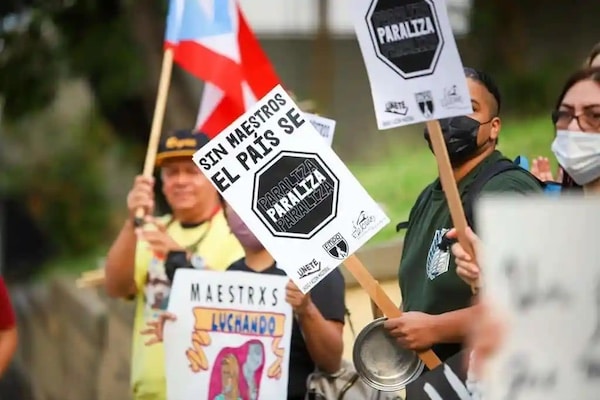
<point x="377" y="313"/>
<point x="457" y="213"/>
<point x="89" y="281"/>
<point x="91" y="278"/>
<point x="93" y="273"/>
<point x="383" y="301"/>
<point x="157" y="122"/>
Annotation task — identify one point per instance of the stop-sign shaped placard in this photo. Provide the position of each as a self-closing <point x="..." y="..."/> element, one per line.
<point x="406" y="35"/>
<point x="295" y="195"/>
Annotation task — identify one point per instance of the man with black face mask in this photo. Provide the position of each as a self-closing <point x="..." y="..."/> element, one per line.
<point x="435" y="300"/>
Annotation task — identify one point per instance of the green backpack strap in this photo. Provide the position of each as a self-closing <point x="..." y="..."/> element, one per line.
<point x="421" y="200"/>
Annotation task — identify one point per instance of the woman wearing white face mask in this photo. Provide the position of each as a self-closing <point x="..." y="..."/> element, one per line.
<point x="577" y="122"/>
<point x="540" y="166"/>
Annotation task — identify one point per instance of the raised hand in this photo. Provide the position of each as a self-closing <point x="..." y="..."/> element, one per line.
<point x="154" y="329"/>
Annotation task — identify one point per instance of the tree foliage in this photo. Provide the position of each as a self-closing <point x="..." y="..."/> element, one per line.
<point x="52" y="40"/>
<point x="29" y="66"/>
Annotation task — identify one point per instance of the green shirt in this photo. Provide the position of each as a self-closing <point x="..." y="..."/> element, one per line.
<point x="427" y="274"/>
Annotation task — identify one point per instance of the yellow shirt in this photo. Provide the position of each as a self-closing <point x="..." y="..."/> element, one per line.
<point x="217" y="246"/>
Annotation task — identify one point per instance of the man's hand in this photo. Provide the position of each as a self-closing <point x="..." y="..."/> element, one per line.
<point x="158" y="239"/>
<point x="467" y="268"/>
<point x="299" y="301"/>
<point x="413" y="330"/>
<point x="141" y="195"/>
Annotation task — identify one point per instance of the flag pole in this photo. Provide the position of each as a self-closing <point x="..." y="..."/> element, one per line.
<point x="157" y="122"/>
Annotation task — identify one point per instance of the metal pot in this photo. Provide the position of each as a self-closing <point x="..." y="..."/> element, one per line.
<point x="381" y="362"/>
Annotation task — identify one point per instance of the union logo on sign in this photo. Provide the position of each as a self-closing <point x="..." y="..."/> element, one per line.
<point x="337" y="247"/>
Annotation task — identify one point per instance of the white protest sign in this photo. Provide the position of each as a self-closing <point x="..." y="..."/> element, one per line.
<point x="291" y="190"/>
<point x="412" y="61"/>
<point x="541" y="269"/>
<point x="324" y="126"/>
<point x="447" y="382"/>
<point x="231" y="339"/>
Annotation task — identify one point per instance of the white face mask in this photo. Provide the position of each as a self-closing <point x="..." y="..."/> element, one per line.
<point x="579" y="154"/>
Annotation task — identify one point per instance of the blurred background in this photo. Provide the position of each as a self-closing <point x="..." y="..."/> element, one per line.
<point x="78" y="81"/>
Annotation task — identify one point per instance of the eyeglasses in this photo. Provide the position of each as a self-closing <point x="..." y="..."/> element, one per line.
<point x="588" y="120"/>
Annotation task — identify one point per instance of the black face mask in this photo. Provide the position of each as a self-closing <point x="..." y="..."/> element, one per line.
<point x="460" y="135"/>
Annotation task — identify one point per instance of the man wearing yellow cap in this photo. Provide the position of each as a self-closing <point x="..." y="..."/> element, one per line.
<point x="135" y="264"/>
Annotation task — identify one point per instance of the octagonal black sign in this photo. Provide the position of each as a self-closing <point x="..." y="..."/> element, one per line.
<point x="295" y="195"/>
<point x="406" y="35"/>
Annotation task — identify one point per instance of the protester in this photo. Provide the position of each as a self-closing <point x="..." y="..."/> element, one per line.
<point x="317" y="332"/>
<point x="436" y="302"/>
<point x="197" y="228"/>
<point x="577" y="148"/>
<point x="540" y="166"/>
<point x="577" y="122"/>
<point x="577" y="145"/>
<point x="8" y="329"/>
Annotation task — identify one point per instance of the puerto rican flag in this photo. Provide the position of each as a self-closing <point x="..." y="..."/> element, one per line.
<point x="212" y="40"/>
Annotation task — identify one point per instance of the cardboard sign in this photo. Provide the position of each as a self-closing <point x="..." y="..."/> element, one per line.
<point x="232" y="335"/>
<point x="412" y="61"/>
<point x="446" y="382"/>
<point x="324" y="126"/>
<point x="540" y="263"/>
<point x="291" y="190"/>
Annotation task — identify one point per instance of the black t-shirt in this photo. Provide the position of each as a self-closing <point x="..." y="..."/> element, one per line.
<point x="328" y="297"/>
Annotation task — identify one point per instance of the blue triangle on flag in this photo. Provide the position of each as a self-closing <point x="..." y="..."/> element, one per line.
<point x="196" y="24"/>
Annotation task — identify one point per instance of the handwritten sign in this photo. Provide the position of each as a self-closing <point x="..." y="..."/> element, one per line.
<point x="291" y="190"/>
<point x="541" y="260"/>
<point x="324" y="126"/>
<point x="412" y="61"/>
<point x="232" y="336"/>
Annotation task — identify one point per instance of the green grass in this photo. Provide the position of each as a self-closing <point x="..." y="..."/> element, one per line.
<point x="396" y="177"/>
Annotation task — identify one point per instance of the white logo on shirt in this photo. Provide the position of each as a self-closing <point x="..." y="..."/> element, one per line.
<point x="438" y="260"/>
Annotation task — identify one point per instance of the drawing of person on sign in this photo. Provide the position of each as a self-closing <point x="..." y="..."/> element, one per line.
<point x="230" y="373"/>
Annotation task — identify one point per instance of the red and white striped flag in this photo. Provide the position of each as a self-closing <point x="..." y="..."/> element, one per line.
<point x="212" y="40"/>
